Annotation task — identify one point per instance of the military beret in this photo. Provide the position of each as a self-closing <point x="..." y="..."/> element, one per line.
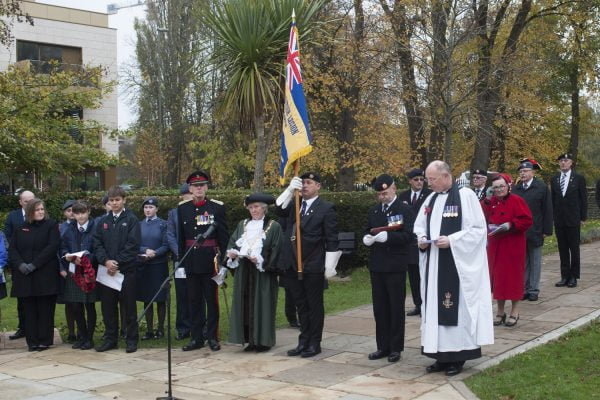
<point x="105" y="199"/>
<point x="413" y="173"/>
<point x="153" y="201"/>
<point x="69" y="203"/>
<point x="525" y="164"/>
<point x="184" y="189"/>
<point x="564" y="155"/>
<point x="382" y="182"/>
<point x="311" y="175"/>
<point x="479" y="172"/>
<point x="259" y="198"/>
<point x="197" y="177"/>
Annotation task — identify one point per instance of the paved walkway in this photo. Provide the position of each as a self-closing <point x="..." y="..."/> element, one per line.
<point x="342" y="371"/>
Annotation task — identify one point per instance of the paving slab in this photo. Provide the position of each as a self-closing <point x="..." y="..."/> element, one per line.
<point x="18" y="388"/>
<point x="129" y="366"/>
<point x="321" y="373"/>
<point x="48" y="371"/>
<point x="89" y="380"/>
<point x="384" y="387"/>
<point x="300" y="392"/>
<point x="246" y="387"/>
<point x="67" y="395"/>
<point x="444" y="392"/>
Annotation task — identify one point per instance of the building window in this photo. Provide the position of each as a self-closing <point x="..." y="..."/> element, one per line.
<point x="42" y="55"/>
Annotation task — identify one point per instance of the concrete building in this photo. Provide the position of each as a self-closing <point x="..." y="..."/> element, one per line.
<point x="73" y="37"/>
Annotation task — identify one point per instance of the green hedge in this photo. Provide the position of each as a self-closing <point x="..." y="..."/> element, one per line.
<point x="351" y="210"/>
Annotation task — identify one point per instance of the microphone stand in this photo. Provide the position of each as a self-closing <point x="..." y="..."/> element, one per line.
<point x="166" y="284"/>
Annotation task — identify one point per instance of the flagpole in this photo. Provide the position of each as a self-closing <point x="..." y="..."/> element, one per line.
<point x="298" y="237"/>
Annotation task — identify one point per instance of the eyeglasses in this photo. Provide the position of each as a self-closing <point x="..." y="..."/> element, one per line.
<point x="479" y="177"/>
<point x="198" y="184"/>
<point x="419" y="179"/>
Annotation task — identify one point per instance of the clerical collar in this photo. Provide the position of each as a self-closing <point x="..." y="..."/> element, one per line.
<point x="84" y="226"/>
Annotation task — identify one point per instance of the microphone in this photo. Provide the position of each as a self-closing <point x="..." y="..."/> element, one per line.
<point x="211" y="229"/>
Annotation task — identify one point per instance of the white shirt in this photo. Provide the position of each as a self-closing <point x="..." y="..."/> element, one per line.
<point x="84" y="226"/>
<point x="528" y="183"/>
<point x="309" y="203"/>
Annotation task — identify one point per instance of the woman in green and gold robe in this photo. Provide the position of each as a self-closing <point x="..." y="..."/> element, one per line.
<point x="252" y="253"/>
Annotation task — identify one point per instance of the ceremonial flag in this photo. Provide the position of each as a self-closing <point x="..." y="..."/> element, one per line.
<point x="296" y="140"/>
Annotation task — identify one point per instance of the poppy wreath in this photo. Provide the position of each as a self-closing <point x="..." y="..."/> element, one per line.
<point x="85" y="276"/>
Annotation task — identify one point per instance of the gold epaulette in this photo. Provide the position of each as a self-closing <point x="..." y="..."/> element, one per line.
<point x="219" y="202"/>
<point x="183" y="201"/>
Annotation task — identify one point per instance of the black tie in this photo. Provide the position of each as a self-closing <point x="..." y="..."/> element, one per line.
<point x="414" y="199"/>
<point x="385" y="208"/>
<point x="81" y="229"/>
<point x="115" y="218"/>
<point x="525" y="186"/>
<point x="303" y="209"/>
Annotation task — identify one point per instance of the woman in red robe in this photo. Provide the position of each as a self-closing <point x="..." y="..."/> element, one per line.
<point x="508" y="217"/>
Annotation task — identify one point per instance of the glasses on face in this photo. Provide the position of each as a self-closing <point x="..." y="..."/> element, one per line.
<point x="479" y="177"/>
<point x="198" y="184"/>
<point x="419" y="179"/>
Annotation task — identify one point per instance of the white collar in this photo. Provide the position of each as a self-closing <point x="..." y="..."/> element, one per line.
<point x="84" y="226"/>
<point x="390" y="203"/>
<point x="529" y="182"/>
<point x="309" y="202"/>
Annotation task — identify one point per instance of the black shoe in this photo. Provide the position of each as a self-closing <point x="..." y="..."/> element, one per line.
<point x="294" y="324"/>
<point x="526" y="296"/>
<point x="435" y="367"/>
<point x="131" y="348"/>
<point x="394" y="356"/>
<point x="17" y="335"/>
<point x="250" y="347"/>
<point x="193" y="345"/>
<point x="311" y="351"/>
<point x="32" y="348"/>
<point x="453" y="369"/>
<point x="214" y="345"/>
<point x="71" y="339"/>
<point x="148" y="336"/>
<point x="376" y="355"/>
<point x="561" y="283"/>
<point x="261" y="349"/>
<point x="533" y="297"/>
<point x="572" y="282"/>
<point x="42" y="347"/>
<point x="86" y="345"/>
<point x="414" y="311"/>
<point x="181" y="336"/>
<point x="106" y="346"/>
<point x="158" y="334"/>
<point x="78" y="343"/>
<point x="296" y="351"/>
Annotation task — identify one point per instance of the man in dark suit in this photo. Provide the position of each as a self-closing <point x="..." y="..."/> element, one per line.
<point x="390" y="256"/>
<point x="538" y="198"/>
<point x="14" y="220"/>
<point x="201" y="216"/>
<point x="318" y="230"/>
<point x="479" y="183"/>
<point x="415" y="196"/>
<point x="569" y="202"/>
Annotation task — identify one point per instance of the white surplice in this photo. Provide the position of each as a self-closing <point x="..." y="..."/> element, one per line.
<point x="468" y="246"/>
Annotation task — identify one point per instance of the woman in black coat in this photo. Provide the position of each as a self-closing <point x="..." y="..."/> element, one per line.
<point x="33" y="250"/>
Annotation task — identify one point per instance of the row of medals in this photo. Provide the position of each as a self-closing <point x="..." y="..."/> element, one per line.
<point x="450" y="211"/>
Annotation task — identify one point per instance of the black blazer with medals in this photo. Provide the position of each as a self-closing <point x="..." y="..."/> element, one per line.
<point x="319" y="235"/>
<point x="394" y="254"/>
<point x="406" y="198"/>
<point x="570" y="209"/>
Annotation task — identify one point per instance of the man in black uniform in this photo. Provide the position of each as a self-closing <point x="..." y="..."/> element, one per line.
<point x="318" y="227"/>
<point x="388" y="264"/>
<point x="195" y="218"/>
<point x="569" y="203"/>
<point x="535" y="192"/>
<point x="415" y="196"/>
<point x="116" y="246"/>
<point x="479" y="182"/>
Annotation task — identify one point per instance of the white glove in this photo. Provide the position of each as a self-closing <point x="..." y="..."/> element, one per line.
<point x="331" y="260"/>
<point x="505" y="226"/>
<point x="368" y="240"/>
<point x="381" y="237"/>
<point x="284" y="198"/>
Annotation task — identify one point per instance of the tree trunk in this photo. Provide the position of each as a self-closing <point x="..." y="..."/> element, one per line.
<point x="574" y="141"/>
<point x="261" y="152"/>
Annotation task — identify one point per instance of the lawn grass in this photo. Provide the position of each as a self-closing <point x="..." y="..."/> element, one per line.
<point x="341" y="295"/>
<point x="567" y="368"/>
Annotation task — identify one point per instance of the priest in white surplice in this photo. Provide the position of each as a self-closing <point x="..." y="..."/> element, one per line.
<point x="455" y="284"/>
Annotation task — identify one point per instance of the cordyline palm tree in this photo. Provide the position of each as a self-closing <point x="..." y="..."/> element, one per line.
<point x="252" y="37"/>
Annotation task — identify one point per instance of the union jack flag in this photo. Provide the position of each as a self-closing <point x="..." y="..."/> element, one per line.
<point x="296" y="140"/>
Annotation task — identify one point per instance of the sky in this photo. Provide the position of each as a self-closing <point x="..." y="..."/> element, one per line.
<point x="123" y="22"/>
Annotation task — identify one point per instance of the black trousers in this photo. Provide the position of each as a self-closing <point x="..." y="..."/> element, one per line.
<point x="85" y="329"/>
<point x="290" y="307"/>
<point x="308" y="297"/>
<point x="21" y="313"/>
<point x="568" y="238"/>
<point x="414" y="278"/>
<point x="183" y="319"/>
<point x="204" y="306"/>
<point x="39" y="319"/>
<point x="110" y="310"/>
<point x="389" y="292"/>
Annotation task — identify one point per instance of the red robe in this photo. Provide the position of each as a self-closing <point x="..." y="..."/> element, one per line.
<point x="506" y="251"/>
